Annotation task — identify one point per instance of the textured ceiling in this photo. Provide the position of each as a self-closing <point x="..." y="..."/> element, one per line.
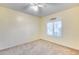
<point x="50" y="8"/>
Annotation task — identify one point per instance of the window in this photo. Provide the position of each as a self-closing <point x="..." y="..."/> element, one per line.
<point x="54" y="27"/>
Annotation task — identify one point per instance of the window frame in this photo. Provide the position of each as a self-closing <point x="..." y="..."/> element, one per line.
<point x="53" y="21"/>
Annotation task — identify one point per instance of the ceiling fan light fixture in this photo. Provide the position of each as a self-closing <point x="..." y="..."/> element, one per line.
<point x="36" y="6"/>
<point x="40" y="5"/>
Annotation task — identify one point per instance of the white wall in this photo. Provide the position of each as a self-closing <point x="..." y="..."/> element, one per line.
<point x="70" y="19"/>
<point x="17" y="28"/>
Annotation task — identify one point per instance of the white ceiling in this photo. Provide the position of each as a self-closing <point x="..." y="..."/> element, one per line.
<point x="49" y="9"/>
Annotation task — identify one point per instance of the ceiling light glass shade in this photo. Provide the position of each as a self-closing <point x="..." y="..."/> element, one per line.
<point x="35" y="8"/>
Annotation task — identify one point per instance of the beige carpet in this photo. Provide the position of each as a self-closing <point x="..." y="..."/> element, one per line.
<point x="39" y="47"/>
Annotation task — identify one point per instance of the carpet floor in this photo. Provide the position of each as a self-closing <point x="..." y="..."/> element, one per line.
<point x="39" y="47"/>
